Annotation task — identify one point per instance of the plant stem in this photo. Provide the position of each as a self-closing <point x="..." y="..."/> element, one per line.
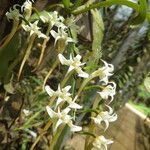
<point x="55" y="138"/>
<point x="50" y="71"/>
<point x="28" y="51"/>
<point x="95" y="104"/>
<point x="44" y="45"/>
<point x="61" y="48"/>
<point x="67" y="76"/>
<point x="39" y="137"/>
<point x="82" y="86"/>
<point x="107" y="4"/>
<point x="87" y="140"/>
<point x="9" y="37"/>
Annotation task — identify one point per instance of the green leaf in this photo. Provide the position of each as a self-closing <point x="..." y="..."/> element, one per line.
<point x="76" y="4"/>
<point x="66" y="3"/>
<point x="64" y="133"/>
<point x="8" y="53"/>
<point x="98" y="32"/>
<point x="147" y="84"/>
<point x="142" y="13"/>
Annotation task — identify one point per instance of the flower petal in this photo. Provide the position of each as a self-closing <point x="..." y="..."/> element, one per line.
<point x="74" y="128"/>
<point x="67" y="88"/>
<point x="62" y="59"/>
<point x="59" y="100"/>
<point x="75" y="105"/>
<point x="82" y="73"/>
<point x="70" y="69"/>
<point x="58" y="123"/>
<point x="51" y="113"/>
<point x="49" y="91"/>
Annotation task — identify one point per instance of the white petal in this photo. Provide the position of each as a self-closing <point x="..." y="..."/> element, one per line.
<point x="59" y="122"/>
<point x="66" y="110"/>
<point x="51" y="113"/>
<point x="69" y="40"/>
<point x="62" y="59"/>
<point x="75" y="128"/>
<point x="54" y="34"/>
<point x="67" y="88"/>
<point x="78" y="57"/>
<point x="82" y="73"/>
<point x="59" y="100"/>
<point x="113" y="118"/>
<point x="59" y="89"/>
<point x="104" y="95"/>
<point x="75" y="105"/>
<point x="107" y="124"/>
<point x="96" y="120"/>
<point x="49" y="91"/>
<point x="70" y="69"/>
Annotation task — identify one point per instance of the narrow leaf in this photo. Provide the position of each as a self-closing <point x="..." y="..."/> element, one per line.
<point x="142" y="13"/>
<point x="147" y="84"/>
<point x="66" y="3"/>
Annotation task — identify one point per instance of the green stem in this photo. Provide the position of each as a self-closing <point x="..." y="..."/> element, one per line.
<point x="107" y="4"/>
<point x="28" y="51"/>
<point x="76" y="4"/>
<point x="67" y="76"/>
<point x="61" y="48"/>
<point x="55" y="138"/>
<point x="87" y="140"/>
<point x="9" y="37"/>
<point x="82" y="86"/>
<point x="44" y="45"/>
<point x="95" y="104"/>
<point x="50" y="72"/>
<point x="41" y="134"/>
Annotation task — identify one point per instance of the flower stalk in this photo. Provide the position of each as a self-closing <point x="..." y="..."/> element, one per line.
<point x="11" y="34"/>
<point x="44" y="46"/>
<point x="27" y="53"/>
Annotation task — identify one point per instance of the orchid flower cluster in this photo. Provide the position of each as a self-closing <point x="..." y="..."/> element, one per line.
<point x="62" y="96"/>
<point x="63" y="105"/>
<point x="51" y="18"/>
<point x="103" y="118"/>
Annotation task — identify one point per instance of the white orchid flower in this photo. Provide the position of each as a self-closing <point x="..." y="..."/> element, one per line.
<point x="104" y="72"/>
<point x="27" y="8"/>
<point x="74" y="64"/>
<point x="13" y="14"/>
<point x="53" y="19"/>
<point x="100" y="143"/>
<point x="106" y="117"/>
<point x="61" y="34"/>
<point x="63" y="96"/>
<point x="62" y="118"/>
<point x="34" y="29"/>
<point x="108" y="91"/>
